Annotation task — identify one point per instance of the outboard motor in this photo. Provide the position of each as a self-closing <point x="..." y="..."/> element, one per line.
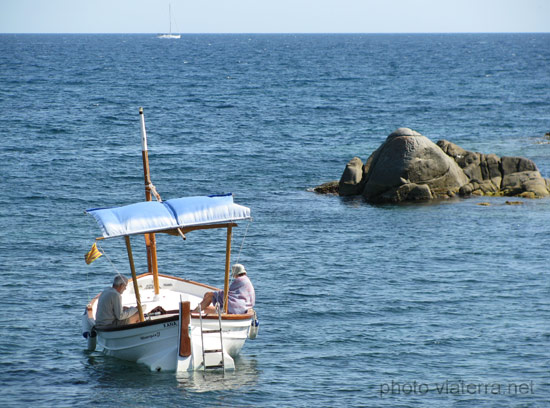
<point x="88" y="330"/>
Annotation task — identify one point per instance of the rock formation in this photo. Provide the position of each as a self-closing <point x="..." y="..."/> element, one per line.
<point x="410" y="167"/>
<point x="489" y="174"/>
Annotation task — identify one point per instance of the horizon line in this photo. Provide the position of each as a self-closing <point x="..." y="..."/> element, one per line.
<point x="283" y="33"/>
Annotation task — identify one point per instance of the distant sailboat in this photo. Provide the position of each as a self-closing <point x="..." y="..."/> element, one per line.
<point x="169" y="35"/>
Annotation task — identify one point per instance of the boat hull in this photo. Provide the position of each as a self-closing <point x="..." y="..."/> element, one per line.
<point x="155" y="341"/>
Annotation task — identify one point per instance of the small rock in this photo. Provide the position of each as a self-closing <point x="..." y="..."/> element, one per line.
<point x="350" y="182"/>
<point x="327" y="188"/>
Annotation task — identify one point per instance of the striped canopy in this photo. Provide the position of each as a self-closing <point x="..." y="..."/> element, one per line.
<point x="152" y="216"/>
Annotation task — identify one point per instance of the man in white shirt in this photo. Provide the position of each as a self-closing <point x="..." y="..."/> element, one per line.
<point x="109" y="306"/>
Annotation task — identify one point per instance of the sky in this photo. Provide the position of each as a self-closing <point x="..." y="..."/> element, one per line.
<point x="274" y="16"/>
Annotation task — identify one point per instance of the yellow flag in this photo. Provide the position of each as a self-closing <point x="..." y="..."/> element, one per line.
<point x="93" y="254"/>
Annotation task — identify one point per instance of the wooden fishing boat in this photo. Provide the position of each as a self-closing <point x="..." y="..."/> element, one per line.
<point x="175" y="338"/>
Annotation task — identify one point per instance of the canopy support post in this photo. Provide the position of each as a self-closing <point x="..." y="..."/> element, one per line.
<point x="134" y="277"/>
<point x="227" y="267"/>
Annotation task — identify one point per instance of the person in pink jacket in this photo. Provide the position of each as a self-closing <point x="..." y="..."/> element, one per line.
<point x="241" y="296"/>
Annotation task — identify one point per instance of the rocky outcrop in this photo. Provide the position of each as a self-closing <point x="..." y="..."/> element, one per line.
<point x="410" y="167"/>
<point x="489" y="174"/>
<point x="330" y="187"/>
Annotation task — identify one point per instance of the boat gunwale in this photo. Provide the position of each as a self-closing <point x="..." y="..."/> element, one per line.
<point x="174" y="314"/>
<point x="174" y="317"/>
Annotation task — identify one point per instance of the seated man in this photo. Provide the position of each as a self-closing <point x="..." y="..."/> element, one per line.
<point x="241" y="296"/>
<point x="109" y="306"/>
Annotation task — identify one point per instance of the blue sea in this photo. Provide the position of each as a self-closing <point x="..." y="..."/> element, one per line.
<point x="429" y="305"/>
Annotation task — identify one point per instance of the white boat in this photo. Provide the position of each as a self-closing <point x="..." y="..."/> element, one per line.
<point x="169" y="35"/>
<point x="176" y="339"/>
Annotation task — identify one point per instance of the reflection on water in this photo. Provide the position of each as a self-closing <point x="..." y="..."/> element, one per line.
<point x="245" y="374"/>
<point x="106" y="371"/>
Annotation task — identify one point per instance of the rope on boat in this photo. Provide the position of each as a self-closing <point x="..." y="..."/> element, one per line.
<point x="102" y="252"/>
<point x="153" y="190"/>
<point x="242" y="243"/>
<point x="109" y="259"/>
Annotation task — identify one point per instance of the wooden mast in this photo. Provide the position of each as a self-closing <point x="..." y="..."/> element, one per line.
<point x="227" y="267"/>
<point x="150" y="241"/>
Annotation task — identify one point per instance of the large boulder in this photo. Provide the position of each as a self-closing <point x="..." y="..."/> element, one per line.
<point x="410" y="167"/>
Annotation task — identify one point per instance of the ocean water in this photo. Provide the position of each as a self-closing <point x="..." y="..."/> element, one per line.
<point x="439" y="305"/>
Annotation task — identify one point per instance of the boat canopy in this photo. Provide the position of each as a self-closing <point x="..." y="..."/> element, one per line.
<point x="152" y="216"/>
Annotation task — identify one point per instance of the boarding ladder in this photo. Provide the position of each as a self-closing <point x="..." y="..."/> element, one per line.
<point x="213" y="351"/>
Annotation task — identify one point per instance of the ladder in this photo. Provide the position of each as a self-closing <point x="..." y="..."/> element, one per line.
<point x="221" y="364"/>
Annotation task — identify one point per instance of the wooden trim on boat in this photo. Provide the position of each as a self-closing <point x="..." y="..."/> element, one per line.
<point x="90" y="306"/>
<point x="182" y="230"/>
<point x="181" y="280"/>
<point x="226" y="316"/>
<point x="171" y="318"/>
<point x="185" y="340"/>
<point x="173" y="315"/>
<point x="185" y="230"/>
<point x="143" y="275"/>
